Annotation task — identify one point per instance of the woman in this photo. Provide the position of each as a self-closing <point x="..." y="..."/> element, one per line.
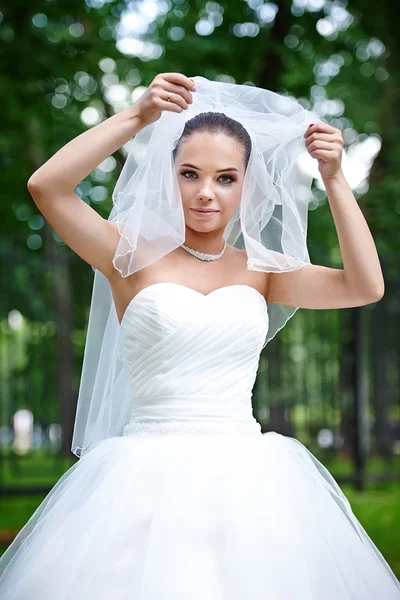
<point x="190" y="500"/>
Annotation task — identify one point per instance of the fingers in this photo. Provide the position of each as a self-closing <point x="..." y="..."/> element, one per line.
<point x="321" y="148"/>
<point x="331" y="136"/>
<point x="179" y="79"/>
<point x="176" y="98"/>
<point x="168" y="99"/>
<point x="321" y="127"/>
<point x="179" y="90"/>
<point x="175" y="87"/>
<point x="171" y="106"/>
<point x="325" y="155"/>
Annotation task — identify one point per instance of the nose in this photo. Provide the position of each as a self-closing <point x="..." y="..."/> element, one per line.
<point x="206" y="191"/>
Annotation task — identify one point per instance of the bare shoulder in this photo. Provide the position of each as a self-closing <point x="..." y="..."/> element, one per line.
<point x="257" y="279"/>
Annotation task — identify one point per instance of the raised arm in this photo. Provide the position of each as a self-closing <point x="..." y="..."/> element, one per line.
<point x="361" y="280"/>
<point x="52" y="186"/>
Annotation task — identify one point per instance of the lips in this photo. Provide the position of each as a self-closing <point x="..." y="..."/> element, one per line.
<point x="204" y="214"/>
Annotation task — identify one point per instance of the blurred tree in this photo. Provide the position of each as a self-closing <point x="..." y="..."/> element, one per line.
<point x="66" y="65"/>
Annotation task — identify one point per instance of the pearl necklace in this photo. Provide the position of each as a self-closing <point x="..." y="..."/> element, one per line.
<point x="203" y="255"/>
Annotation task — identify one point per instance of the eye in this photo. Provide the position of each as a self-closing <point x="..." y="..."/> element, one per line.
<point x="230" y="179"/>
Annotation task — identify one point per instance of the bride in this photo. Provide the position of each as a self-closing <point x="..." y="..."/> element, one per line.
<point x="177" y="494"/>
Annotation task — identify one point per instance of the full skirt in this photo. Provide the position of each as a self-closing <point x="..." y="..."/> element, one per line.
<point x="196" y="517"/>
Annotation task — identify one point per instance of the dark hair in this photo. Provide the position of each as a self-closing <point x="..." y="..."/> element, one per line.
<point x="214" y="122"/>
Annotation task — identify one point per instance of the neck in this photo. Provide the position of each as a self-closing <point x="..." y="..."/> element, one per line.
<point x="208" y="244"/>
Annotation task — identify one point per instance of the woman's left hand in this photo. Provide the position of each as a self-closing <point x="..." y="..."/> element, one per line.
<point x="325" y="143"/>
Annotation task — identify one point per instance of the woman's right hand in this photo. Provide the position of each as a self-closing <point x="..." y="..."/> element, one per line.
<point x="155" y="99"/>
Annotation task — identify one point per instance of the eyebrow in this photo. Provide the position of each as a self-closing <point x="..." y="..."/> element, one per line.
<point x="219" y="171"/>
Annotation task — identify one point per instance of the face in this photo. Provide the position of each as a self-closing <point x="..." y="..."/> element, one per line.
<point x="210" y="169"/>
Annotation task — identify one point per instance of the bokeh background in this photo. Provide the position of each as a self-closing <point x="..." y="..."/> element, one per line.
<point x="330" y="378"/>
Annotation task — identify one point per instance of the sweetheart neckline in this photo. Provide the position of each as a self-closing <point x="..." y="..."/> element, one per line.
<point x="224" y="287"/>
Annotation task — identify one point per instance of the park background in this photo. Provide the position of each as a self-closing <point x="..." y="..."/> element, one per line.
<point x="330" y="378"/>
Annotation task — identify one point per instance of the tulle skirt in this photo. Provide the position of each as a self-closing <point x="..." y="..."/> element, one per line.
<point x="167" y="515"/>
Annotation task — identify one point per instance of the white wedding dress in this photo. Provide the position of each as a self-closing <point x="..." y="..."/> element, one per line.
<point x="193" y="502"/>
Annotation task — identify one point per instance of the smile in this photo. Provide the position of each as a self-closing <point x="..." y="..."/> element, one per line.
<point x="204" y="213"/>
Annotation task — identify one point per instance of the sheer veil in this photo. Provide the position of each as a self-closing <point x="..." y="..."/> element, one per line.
<point x="270" y="224"/>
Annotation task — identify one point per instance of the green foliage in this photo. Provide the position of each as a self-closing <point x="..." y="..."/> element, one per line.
<point x="51" y="69"/>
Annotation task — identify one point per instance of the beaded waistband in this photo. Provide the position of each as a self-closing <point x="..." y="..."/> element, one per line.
<point x="151" y="428"/>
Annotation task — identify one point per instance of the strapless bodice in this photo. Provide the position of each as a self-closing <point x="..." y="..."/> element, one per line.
<point x="191" y="357"/>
